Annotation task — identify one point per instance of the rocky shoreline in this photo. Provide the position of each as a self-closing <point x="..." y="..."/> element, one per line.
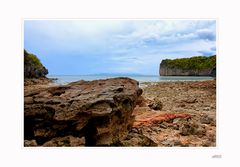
<point x="180" y="114"/>
<point x="116" y="112"/>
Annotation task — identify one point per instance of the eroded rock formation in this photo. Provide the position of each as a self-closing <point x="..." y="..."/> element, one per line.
<point x="169" y="71"/>
<point x="88" y="112"/>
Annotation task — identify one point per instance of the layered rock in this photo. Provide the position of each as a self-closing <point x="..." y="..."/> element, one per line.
<point x="99" y="111"/>
<point x="33" y="68"/>
<point x="38" y="81"/>
<point x="169" y="71"/>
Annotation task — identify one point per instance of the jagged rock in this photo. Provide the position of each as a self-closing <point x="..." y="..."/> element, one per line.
<point x="100" y="111"/>
<point x="205" y="119"/>
<point x="192" y="128"/>
<point x="156" y="105"/>
<point x="136" y="140"/>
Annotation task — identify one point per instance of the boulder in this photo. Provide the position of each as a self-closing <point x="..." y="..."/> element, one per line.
<point x="100" y="111"/>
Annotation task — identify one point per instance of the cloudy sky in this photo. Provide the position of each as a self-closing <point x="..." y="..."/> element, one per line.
<point x="116" y="46"/>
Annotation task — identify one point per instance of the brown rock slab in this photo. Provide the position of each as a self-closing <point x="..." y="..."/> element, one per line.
<point x="100" y="111"/>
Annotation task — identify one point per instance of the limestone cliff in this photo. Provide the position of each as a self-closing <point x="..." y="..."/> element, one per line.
<point x="194" y="66"/>
<point x="33" y="68"/>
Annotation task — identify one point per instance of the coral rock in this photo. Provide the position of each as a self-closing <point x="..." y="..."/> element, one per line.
<point x="100" y="111"/>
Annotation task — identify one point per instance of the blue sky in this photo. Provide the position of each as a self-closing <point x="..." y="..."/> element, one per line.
<point x="72" y="47"/>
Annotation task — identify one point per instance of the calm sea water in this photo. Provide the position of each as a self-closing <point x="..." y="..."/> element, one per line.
<point x="64" y="79"/>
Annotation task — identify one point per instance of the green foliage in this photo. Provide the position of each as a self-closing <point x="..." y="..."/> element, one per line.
<point x="193" y="63"/>
<point x="32" y="59"/>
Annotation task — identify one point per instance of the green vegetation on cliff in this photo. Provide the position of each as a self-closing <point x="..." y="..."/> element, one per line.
<point x="32" y="59"/>
<point x="33" y="68"/>
<point x="193" y="63"/>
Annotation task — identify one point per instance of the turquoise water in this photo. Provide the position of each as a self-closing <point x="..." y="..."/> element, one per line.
<point x="64" y="79"/>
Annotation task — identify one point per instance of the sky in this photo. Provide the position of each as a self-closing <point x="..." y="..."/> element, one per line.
<point x="82" y="47"/>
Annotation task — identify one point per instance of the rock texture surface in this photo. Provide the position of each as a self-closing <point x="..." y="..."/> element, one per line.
<point x="169" y="71"/>
<point x="187" y="117"/>
<point x="81" y="113"/>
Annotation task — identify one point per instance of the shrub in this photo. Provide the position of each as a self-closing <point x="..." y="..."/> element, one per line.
<point x="193" y="63"/>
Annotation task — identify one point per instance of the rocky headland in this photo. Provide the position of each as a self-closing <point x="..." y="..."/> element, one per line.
<point x="33" y="68"/>
<point x="194" y="66"/>
<point x="34" y="72"/>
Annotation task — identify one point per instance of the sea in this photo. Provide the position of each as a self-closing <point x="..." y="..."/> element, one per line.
<point x="65" y="79"/>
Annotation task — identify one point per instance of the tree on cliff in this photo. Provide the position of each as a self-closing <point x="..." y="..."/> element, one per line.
<point x="199" y="65"/>
<point x="33" y="68"/>
<point x="192" y="63"/>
